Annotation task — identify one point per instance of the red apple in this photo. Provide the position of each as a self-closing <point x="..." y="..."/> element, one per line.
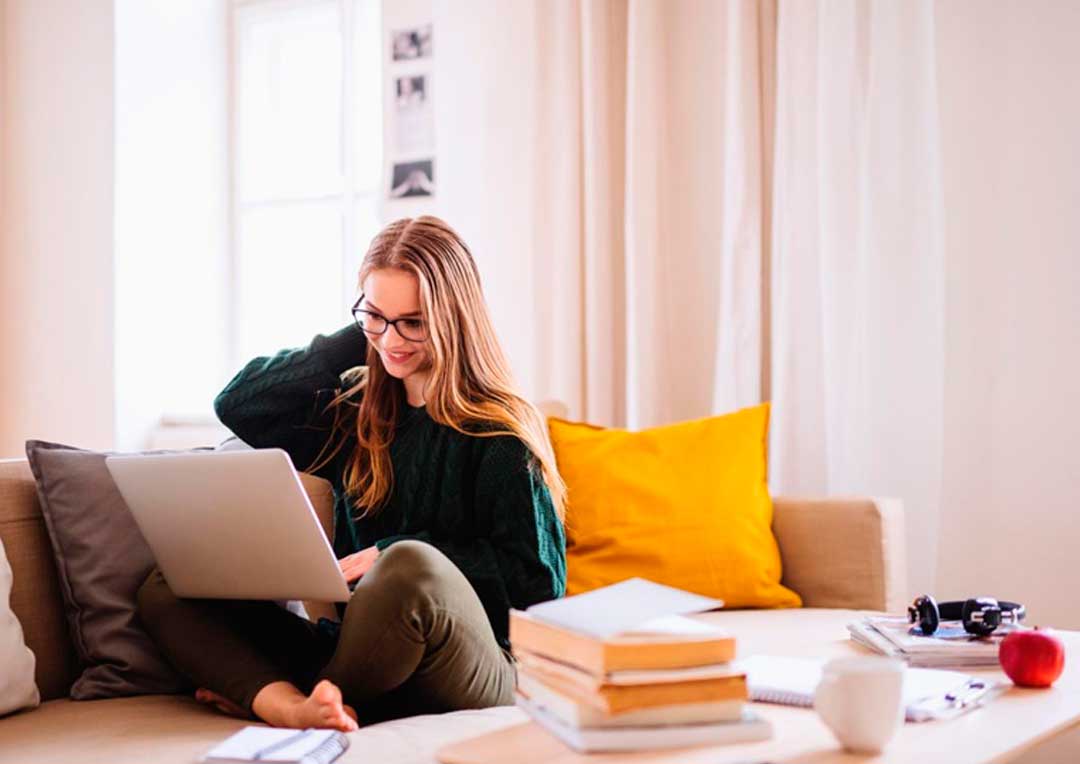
<point x="1032" y="657"/>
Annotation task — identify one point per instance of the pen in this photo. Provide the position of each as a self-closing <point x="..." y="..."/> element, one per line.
<point x="972" y="691"/>
<point x="281" y="744"/>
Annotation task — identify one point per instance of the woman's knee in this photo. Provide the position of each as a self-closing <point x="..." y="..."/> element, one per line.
<point x="412" y="566"/>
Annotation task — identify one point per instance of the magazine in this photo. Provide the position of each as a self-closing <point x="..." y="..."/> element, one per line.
<point x="950" y="646"/>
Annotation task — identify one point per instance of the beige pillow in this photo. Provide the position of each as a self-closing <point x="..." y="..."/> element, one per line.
<point x="17" y="688"/>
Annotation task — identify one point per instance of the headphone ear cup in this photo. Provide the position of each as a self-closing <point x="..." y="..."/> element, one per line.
<point x="927" y="609"/>
<point x="990" y="616"/>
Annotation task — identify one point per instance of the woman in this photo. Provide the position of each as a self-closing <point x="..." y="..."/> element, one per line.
<point x="448" y="507"/>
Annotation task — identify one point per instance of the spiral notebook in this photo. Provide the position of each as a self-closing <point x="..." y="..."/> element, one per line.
<point x="281" y="746"/>
<point x="928" y="693"/>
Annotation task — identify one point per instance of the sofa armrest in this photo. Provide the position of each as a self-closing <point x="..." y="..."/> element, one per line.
<point x="843" y="552"/>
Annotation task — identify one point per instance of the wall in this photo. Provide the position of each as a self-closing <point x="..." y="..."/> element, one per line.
<point x="1010" y="113"/>
<point x="56" y="240"/>
<point x="171" y="211"/>
<point x="484" y="124"/>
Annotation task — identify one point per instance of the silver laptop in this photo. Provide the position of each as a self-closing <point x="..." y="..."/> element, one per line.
<point x="230" y="525"/>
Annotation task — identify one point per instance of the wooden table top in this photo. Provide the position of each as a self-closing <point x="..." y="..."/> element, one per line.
<point x="998" y="732"/>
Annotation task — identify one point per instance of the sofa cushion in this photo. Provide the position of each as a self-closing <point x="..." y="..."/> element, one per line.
<point x="102" y="559"/>
<point x="685" y="505"/>
<point x="35" y="591"/>
<point x="174" y="729"/>
<point x="17" y="688"/>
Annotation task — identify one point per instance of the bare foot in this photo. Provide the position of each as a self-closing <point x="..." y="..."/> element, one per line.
<point x="324" y="708"/>
<point x="221" y="703"/>
<point x="283" y="705"/>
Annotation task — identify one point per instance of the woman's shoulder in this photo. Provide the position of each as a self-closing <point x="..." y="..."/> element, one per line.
<point x="501" y="452"/>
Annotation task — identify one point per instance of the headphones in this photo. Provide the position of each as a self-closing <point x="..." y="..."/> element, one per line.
<point x="980" y="615"/>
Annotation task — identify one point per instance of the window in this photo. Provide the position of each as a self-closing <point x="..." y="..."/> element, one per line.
<point x="306" y="166"/>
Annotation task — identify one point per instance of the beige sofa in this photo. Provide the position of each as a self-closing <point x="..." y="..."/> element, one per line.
<point x="837" y="553"/>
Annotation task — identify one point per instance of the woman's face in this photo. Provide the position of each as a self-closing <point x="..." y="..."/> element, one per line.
<point x="394" y="294"/>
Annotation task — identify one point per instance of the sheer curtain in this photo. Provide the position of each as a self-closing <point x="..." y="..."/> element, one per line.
<point x="632" y="196"/>
<point x="857" y="272"/>
<point x="683" y="208"/>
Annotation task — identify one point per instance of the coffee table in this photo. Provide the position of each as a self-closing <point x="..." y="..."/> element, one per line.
<point x="1004" y="730"/>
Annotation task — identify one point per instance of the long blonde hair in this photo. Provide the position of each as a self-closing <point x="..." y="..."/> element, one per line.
<point x="470" y="388"/>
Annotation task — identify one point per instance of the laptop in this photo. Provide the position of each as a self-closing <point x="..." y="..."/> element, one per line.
<point x="230" y="525"/>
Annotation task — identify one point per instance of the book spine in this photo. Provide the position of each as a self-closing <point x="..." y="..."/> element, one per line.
<point x="620" y="698"/>
<point x="544" y="639"/>
<point x="750" y="728"/>
<point x="688" y="654"/>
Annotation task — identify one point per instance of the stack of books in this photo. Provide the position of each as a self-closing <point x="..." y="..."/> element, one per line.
<point x="949" y="647"/>
<point x="665" y="683"/>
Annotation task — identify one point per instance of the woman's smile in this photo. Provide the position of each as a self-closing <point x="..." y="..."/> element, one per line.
<point x="398" y="357"/>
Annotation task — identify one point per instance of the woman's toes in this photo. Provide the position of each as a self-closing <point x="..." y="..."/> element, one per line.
<point x="324" y="708"/>
<point x="326" y="692"/>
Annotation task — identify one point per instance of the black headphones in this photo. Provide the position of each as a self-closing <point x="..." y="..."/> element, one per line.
<point x="980" y="615"/>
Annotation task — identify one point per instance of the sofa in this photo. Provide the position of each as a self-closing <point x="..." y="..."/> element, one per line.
<point x="837" y="553"/>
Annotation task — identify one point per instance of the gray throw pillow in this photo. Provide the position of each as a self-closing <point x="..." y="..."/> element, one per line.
<point x="102" y="559"/>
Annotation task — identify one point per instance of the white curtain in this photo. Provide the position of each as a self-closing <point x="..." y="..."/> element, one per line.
<point x="857" y="273"/>
<point x="651" y="256"/>
<point x="636" y="136"/>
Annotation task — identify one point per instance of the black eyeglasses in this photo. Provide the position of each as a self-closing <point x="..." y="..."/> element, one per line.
<point x="375" y="324"/>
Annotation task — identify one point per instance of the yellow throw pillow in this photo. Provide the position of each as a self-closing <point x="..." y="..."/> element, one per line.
<point x="685" y="505"/>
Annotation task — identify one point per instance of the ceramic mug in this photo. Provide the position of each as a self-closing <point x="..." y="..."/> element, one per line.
<point x="861" y="699"/>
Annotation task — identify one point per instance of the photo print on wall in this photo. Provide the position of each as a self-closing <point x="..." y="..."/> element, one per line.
<point x="409" y="44"/>
<point x="410" y="163"/>
<point x="415" y="124"/>
<point x="413" y="179"/>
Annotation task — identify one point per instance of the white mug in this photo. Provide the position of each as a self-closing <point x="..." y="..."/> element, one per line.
<point x="861" y="699"/>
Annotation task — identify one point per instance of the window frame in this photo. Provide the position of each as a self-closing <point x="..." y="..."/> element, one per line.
<point x="350" y="198"/>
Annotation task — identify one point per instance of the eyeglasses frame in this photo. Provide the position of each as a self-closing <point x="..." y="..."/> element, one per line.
<point x="357" y="309"/>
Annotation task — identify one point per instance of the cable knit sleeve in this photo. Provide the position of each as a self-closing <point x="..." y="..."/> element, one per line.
<point x="275" y="401"/>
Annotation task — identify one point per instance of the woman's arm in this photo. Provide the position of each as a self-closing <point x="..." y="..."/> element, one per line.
<point x="276" y="401"/>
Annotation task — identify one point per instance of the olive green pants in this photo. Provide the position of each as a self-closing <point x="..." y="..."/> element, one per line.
<point x="414" y="639"/>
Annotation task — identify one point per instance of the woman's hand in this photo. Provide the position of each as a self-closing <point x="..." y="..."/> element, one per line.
<point x="356" y="565"/>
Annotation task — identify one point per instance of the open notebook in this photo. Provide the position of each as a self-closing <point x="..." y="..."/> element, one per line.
<point x="928" y="693"/>
<point x="279" y="746"/>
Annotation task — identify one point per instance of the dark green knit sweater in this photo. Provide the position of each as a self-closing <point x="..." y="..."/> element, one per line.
<point x="481" y="501"/>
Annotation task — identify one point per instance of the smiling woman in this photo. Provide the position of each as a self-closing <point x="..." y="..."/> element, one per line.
<point x="448" y="512"/>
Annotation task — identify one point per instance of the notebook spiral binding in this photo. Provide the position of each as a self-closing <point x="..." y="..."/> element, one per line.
<point x="328" y="750"/>
<point x="784" y="697"/>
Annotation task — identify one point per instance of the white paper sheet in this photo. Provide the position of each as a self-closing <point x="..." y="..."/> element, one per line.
<point x="620" y="607"/>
